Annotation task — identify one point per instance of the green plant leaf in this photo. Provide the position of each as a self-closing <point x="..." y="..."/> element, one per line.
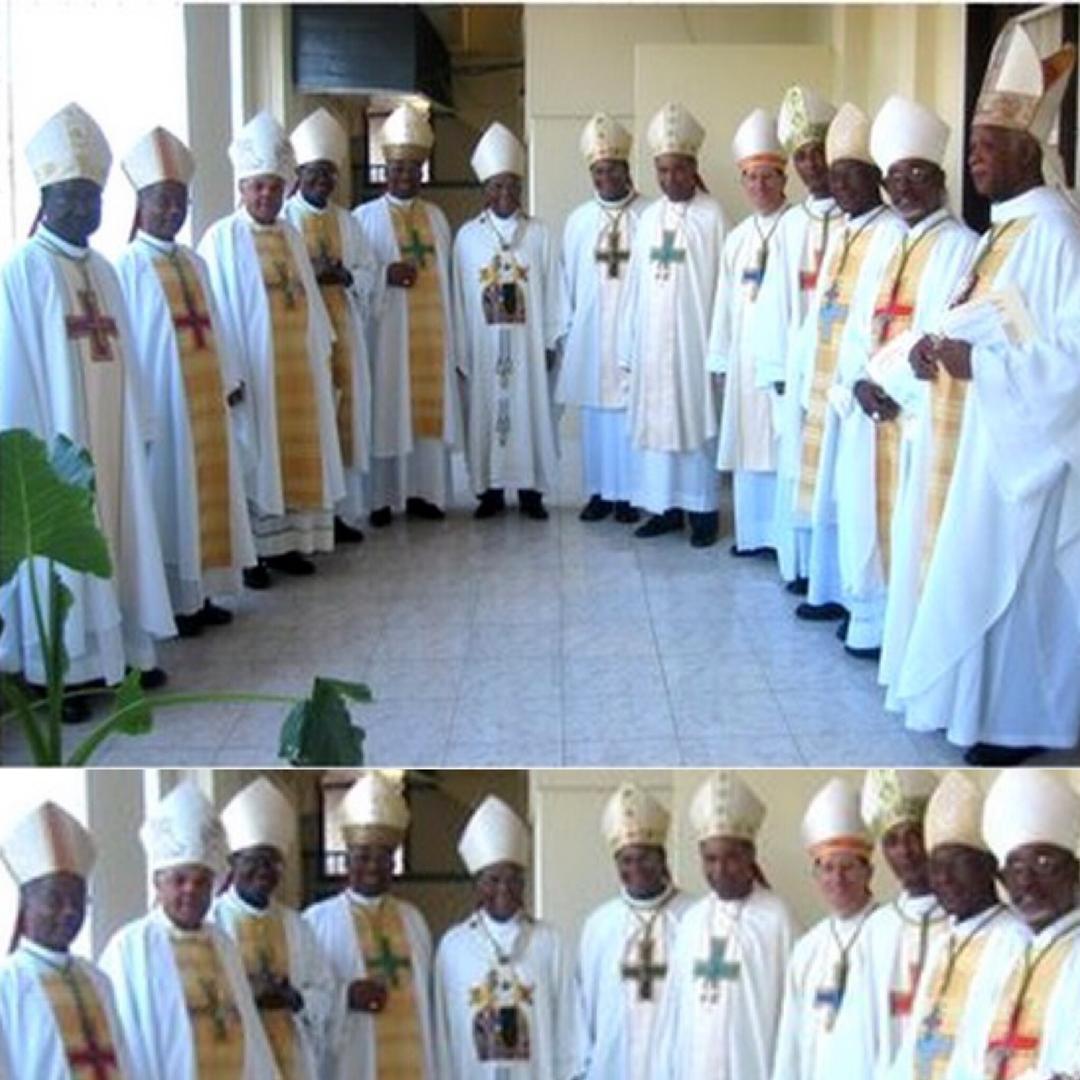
<point x="354" y="691"/>
<point x="47" y="506"/>
<point x="319" y="730"/>
<point x="131" y="708"/>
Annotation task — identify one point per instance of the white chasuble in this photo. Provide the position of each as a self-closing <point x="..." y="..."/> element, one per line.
<point x="504" y="1002"/>
<point x="67" y="367"/>
<point x="726" y="988"/>
<point x="506" y="316"/>
<point x="623" y="966"/>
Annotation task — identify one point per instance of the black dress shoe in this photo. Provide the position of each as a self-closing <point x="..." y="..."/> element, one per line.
<point x="212" y="615"/>
<point x="492" y="502"/>
<point x="189" y="625"/>
<point x="820" y="612"/>
<point x="626" y="514"/>
<point x="659" y="524"/>
<point x="863" y="654"/>
<point x="380" y="518"/>
<point x="344" y="533"/>
<point x="704" y="529"/>
<point x="531" y="505"/>
<point x="293" y="563"/>
<point x="596" y="509"/>
<point x="799" y="587"/>
<point x="153" y="679"/>
<point x="426" y="511"/>
<point x="257" y="577"/>
<point x="753" y="553"/>
<point x="1000" y="757"/>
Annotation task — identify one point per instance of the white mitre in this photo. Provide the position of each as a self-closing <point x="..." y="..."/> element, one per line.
<point x="262" y="149"/>
<point x="756" y="142"/>
<point x="604" y="139"/>
<point x="184" y="829"/>
<point x="374" y="811"/>
<point x="320" y="137"/>
<point x="674" y="130"/>
<point x="158" y="156"/>
<point x="891" y="797"/>
<point x="48" y="840"/>
<point x="1031" y="806"/>
<point x="804" y="117"/>
<point x="407" y="135"/>
<point x="633" y="816"/>
<point x="954" y="814"/>
<point x="259" y="816"/>
<point x="832" y="822"/>
<point x="904" y="130"/>
<point x="726" y="805"/>
<point x="498" y="151"/>
<point x="849" y="136"/>
<point x="493" y="835"/>
<point x="69" y="146"/>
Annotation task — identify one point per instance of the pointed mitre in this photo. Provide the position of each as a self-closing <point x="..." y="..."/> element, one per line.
<point x="48" y="840"/>
<point x="184" y="829"/>
<point x="493" y="835"/>
<point x="1025" y="83"/>
<point x="69" y="146"/>
<point x="848" y="138"/>
<point x="804" y="118"/>
<point x="756" y="142"/>
<point x="954" y="814"/>
<point x="832" y="822"/>
<point x="320" y="137"/>
<point x="259" y="816"/>
<point x="407" y="135"/>
<point x="158" y="156"/>
<point x="904" y="130"/>
<point x="674" y="130"/>
<point x="498" y="151"/>
<point x="374" y="811"/>
<point x="1031" y="806"/>
<point x="261" y="148"/>
<point x="633" y="816"/>
<point x="604" y="139"/>
<point x="726" y="805"/>
<point x="892" y="797"/>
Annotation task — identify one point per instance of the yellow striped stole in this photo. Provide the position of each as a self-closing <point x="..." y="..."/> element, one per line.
<point x="82" y="1024"/>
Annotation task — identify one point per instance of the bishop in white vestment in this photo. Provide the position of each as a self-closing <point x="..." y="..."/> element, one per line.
<point x="189" y="377"/>
<point x="597" y="241"/>
<point x="67" y="367"/>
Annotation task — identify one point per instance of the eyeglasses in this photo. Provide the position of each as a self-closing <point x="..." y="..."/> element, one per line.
<point x="1043" y="865"/>
<point x="917" y="175"/>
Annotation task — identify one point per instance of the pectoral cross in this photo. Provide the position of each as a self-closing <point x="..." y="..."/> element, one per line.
<point x="285" y="282"/>
<point x="808" y="280"/>
<point x="832" y="997"/>
<point x="715" y="969"/>
<point x="92" y="324"/>
<point x="219" y="1012"/>
<point x="884" y="316"/>
<point x="416" y="250"/>
<point x="830" y="313"/>
<point x="194" y="320"/>
<point x="901" y="1001"/>
<point x="610" y="254"/>
<point x="99" y="1059"/>
<point x="930" y="1045"/>
<point x="1001" y="1051"/>
<point x="755" y="275"/>
<point x="666" y="254"/>
<point x="386" y="962"/>
<point x="645" y="972"/>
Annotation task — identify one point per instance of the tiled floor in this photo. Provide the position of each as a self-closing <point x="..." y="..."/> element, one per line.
<point x="512" y="642"/>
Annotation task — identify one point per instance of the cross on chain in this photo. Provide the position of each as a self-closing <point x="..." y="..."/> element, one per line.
<point x="666" y="254"/>
<point x="386" y="962"/>
<point x="610" y="254"/>
<point x="645" y="972"/>
<point x="100" y="1059"/>
<point x="931" y="1044"/>
<point x="194" y="320"/>
<point x="285" y="282"/>
<point x="830" y="313"/>
<point x="808" y="280"/>
<point x="901" y="1001"/>
<point x="216" y="1009"/>
<point x="416" y="249"/>
<point x="92" y="324"/>
<point x="1013" y="1042"/>
<point x="753" y="276"/>
<point x="715" y="969"/>
<point x="884" y="316"/>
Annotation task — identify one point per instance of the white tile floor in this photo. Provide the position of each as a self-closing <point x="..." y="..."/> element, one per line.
<point x="512" y="642"/>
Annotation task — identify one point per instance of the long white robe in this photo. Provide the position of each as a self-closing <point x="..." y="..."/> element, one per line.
<point x="740" y="350"/>
<point x="464" y="962"/>
<point x="663" y="342"/>
<point x="994" y="655"/>
<point x="112" y="622"/>
<point x="237" y="281"/>
<point x="726" y="1030"/>
<point x="895" y="933"/>
<point x="309" y="973"/>
<point x="150" y="1001"/>
<point x="351" y="1050"/>
<point x="618" y="1029"/>
<point x="404" y="466"/>
<point x="511" y="433"/>
<point x="807" y="1048"/>
<point x="171" y="460"/>
<point x="590" y="376"/>
<point x="31" y="1045"/>
<point x="361" y="298"/>
<point x="1059" y="1038"/>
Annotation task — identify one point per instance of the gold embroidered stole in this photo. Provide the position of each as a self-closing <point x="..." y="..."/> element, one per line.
<point x="832" y="315"/>
<point x="322" y="237"/>
<point x="894" y="311"/>
<point x="948" y="395"/>
<point x="100" y="371"/>
<point x="205" y="400"/>
<point x="264" y="949"/>
<point x="427" y="332"/>
<point x="82" y="1023"/>
<point x="399" y="1043"/>
<point x="299" y="446"/>
<point x="217" y="1031"/>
